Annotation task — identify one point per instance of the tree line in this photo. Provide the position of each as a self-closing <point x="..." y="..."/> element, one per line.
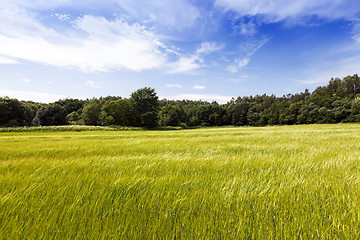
<point x="338" y="101"/>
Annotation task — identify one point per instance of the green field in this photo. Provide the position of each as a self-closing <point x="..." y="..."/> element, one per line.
<point x="290" y="182"/>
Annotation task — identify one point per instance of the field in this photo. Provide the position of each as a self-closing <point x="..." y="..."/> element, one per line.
<point x="288" y="182"/>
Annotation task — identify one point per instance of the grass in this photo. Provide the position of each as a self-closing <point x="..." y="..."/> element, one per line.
<point x="289" y="182"/>
<point x="81" y="128"/>
<point x="66" y="128"/>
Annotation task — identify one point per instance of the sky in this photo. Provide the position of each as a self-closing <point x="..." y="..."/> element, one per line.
<point x="209" y="50"/>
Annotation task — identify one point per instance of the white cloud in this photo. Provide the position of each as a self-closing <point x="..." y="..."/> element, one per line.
<point x="32" y="96"/>
<point x="37" y="4"/>
<point x="94" y="43"/>
<point x="238" y="64"/>
<point x="247" y="50"/>
<point x="205" y="97"/>
<point x="26" y="80"/>
<point x="194" y="61"/>
<point x="337" y="68"/>
<point x="6" y="60"/>
<point x="241" y="78"/>
<point x="185" y="64"/>
<point x="233" y="68"/>
<point x="245" y="28"/>
<point x="243" y="62"/>
<point x="62" y="17"/>
<point x="172" y="14"/>
<point x="208" y="47"/>
<point x="356" y="32"/>
<point x="93" y="84"/>
<point x="278" y="10"/>
<point x="199" y="87"/>
<point x="173" y="85"/>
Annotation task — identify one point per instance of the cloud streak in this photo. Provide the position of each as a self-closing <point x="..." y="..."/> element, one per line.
<point x="6" y="60"/>
<point x="95" y="44"/>
<point x="32" y="96"/>
<point x="93" y="84"/>
<point x="279" y="10"/>
<point x="195" y="60"/>
<point x="209" y="47"/>
<point x="205" y="97"/>
<point x="356" y="31"/>
<point x="176" y="85"/>
<point x="199" y="87"/>
<point x="338" y="68"/>
<point x="247" y="50"/>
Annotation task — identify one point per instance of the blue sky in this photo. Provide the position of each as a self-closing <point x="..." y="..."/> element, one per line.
<point x="185" y="49"/>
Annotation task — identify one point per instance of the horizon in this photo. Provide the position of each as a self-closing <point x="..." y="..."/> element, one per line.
<point x="195" y="50"/>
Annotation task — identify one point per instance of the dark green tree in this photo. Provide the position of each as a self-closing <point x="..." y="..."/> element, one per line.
<point x="73" y="118"/>
<point x="14" y="113"/>
<point x="355" y="110"/>
<point x="171" y="115"/>
<point x="146" y="107"/>
<point x="120" y="110"/>
<point x="71" y="105"/>
<point x="91" y="114"/>
<point x="50" y="115"/>
<point x="238" y="113"/>
<point x="342" y="110"/>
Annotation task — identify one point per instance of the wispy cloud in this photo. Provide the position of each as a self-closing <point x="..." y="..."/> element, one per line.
<point x="6" y="60"/>
<point x="279" y="10"/>
<point x="62" y="17"/>
<point x="172" y="14"/>
<point x="95" y="44"/>
<point x="93" y="84"/>
<point x="199" y="87"/>
<point x="195" y="60"/>
<point x="238" y="64"/>
<point x="184" y="64"/>
<point x="204" y="97"/>
<point x="209" y="47"/>
<point x="246" y="50"/>
<point x="241" y="78"/>
<point x="32" y="96"/>
<point x="173" y="85"/>
<point x="337" y="68"/>
<point x="356" y="31"/>
<point x="27" y="80"/>
<point x="245" y="27"/>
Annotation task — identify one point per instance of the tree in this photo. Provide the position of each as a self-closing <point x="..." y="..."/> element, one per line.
<point x="14" y="113"/>
<point x="146" y="107"/>
<point x="71" y="105"/>
<point x="50" y="115"/>
<point x="120" y="110"/>
<point x="91" y="114"/>
<point x="341" y="110"/>
<point x="171" y="115"/>
<point x="355" y="110"/>
<point x="308" y="114"/>
<point x="210" y="114"/>
<point x="238" y="112"/>
<point x="73" y="117"/>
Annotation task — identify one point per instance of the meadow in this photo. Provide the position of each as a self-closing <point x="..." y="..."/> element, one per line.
<point x="283" y="182"/>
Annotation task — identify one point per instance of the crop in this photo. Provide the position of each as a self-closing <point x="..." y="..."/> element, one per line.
<point x="287" y="182"/>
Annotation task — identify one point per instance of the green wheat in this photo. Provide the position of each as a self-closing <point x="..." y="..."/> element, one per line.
<point x="289" y="182"/>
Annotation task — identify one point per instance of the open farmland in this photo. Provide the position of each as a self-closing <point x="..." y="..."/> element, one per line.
<point x="297" y="182"/>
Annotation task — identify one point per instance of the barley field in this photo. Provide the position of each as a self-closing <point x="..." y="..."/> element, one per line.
<point x="284" y="182"/>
